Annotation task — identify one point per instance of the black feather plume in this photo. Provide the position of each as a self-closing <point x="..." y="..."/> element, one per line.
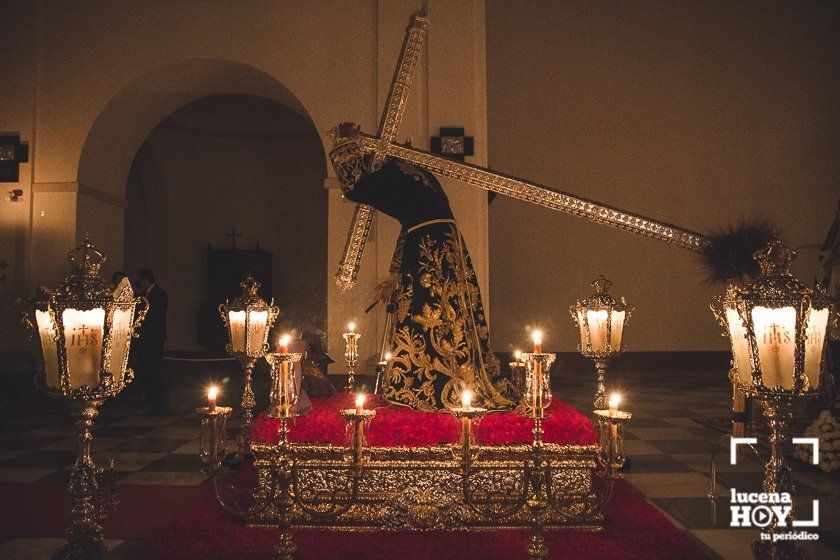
<point x="729" y="255"/>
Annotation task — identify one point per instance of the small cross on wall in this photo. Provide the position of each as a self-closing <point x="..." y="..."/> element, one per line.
<point x="233" y="235"/>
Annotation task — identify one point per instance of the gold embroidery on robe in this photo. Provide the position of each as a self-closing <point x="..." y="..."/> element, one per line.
<point x="439" y="343"/>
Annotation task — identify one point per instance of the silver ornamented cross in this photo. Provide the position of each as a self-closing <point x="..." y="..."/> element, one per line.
<point x="383" y="146"/>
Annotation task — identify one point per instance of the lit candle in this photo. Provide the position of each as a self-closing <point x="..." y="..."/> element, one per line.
<point x="518" y="357"/>
<point x="283" y="344"/>
<point x="466" y="400"/>
<point x="360" y="403"/>
<point x="388" y="357"/>
<point x="351" y="327"/>
<point x="615" y="398"/>
<point x="537" y="338"/>
<point x="212" y="393"/>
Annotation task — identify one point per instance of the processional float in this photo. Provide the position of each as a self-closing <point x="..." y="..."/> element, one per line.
<point x="534" y="485"/>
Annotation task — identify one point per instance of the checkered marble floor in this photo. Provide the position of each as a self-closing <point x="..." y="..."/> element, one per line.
<point x="677" y="420"/>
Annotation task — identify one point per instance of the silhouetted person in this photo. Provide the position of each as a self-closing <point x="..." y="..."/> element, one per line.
<point x="152" y="339"/>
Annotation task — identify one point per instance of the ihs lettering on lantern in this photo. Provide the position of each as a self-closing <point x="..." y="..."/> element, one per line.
<point x="83" y="337"/>
<point x="775" y="336"/>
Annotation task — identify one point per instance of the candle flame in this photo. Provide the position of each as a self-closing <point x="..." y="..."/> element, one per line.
<point x="285" y="339"/>
<point x="615" y="399"/>
<point x="466" y="398"/>
<point x="517" y="355"/>
<point x="351" y="327"/>
<point x="212" y="392"/>
<point x="536" y="336"/>
<point x="388" y="356"/>
<point x="360" y="400"/>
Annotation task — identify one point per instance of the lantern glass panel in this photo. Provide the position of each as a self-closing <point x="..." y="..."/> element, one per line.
<point x="596" y="320"/>
<point x="83" y="344"/>
<point x="47" y="334"/>
<point x="817" y="324"/>
<point x="616" y="330"/>
<point x="257" y="324"/>
<point x="775" y="337"/>
<point x="236" y="321"/>
<point x="120" y="337"/>
<point x="740" y="346"/>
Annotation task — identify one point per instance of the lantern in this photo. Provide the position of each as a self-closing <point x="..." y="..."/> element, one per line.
<point x="85" y="330"/>
<point x="777" y="329"/>
<point x="248" y="320"/>
<point x="601" y="320"/>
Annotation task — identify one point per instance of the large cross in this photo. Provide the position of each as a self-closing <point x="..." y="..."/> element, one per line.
<point x="383" y="146"/>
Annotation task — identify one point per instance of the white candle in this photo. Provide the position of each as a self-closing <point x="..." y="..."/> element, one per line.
<point x="212" y="393"/>
<point x="615" y="398"/>
<point x="360" y="403"/>
<point x="283" y="344"/>
<point x="536" y="336"/>
<point x="466" y="400"/>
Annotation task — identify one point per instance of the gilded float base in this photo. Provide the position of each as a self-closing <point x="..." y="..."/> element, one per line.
<point x="422" y="488"/>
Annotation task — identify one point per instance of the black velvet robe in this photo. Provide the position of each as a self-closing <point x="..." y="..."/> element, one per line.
<point x="439" y="334"/>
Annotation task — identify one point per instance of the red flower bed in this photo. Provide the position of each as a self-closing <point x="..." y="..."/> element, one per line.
<point x="398" y="426"/>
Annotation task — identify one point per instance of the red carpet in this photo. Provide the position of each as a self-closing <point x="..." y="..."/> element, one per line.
<point x="634" y="530"/>
<point x="42" y="509"/>
<point x="184" y="523"/>
<point x="396" y="426"/>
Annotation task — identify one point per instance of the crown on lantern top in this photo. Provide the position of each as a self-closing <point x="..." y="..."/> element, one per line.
<point x="86" y="259"/>
<point x="601" y="285"/>
<point x="775" y="258"/>
<point x="250" y="286"/>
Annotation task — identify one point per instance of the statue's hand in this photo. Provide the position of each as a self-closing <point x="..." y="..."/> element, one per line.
<point x="384" y="291"/>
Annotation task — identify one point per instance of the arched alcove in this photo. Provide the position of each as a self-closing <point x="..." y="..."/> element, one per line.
<point x="126" y="121"/>
<point x="223" y="162"/>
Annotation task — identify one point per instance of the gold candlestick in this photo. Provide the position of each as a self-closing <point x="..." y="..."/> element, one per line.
<point x="358" y="418"/>
<point x="284" y="390"/>
<point x="351" y="355"/>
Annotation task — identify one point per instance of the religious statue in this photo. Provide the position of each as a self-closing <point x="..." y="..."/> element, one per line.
<point x="438" y="338"/>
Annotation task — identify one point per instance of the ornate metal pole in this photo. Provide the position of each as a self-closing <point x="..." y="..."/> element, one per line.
<point x="84" y="536"/>
<point x="243" y="438"/>
<point x="777" y="479"/>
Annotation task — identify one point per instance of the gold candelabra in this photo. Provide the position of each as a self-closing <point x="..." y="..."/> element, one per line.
<point x="85" y="331"/>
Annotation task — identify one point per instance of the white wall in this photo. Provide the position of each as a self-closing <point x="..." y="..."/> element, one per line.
<point x="693" y="113"/>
